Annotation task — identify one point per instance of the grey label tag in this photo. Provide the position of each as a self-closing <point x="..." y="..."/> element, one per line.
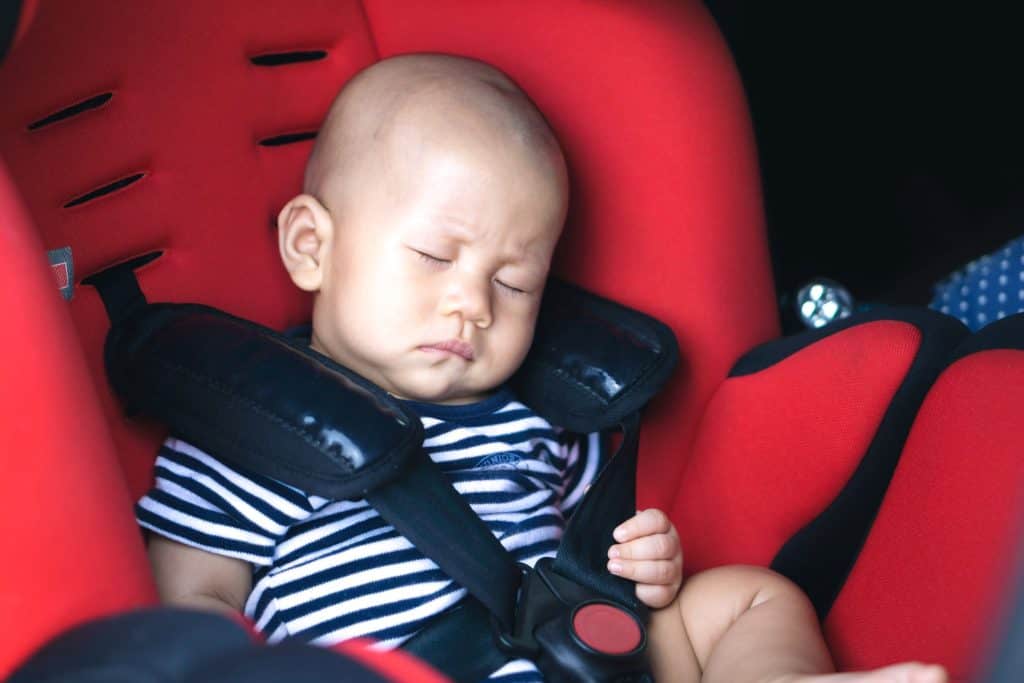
<point x="63" y="267"/>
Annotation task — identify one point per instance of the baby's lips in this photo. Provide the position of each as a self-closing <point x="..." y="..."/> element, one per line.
<point x="454" y="346"/>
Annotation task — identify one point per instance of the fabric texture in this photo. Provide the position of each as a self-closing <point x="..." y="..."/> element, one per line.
<point x="986" y="289"/>
<point x="328" y="571"/>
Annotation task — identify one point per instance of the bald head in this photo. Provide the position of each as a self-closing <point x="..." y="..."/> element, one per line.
<point x="394" y="110"/>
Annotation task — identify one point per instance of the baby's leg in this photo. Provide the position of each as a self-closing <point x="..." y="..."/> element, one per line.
<point x="750" y="625"/>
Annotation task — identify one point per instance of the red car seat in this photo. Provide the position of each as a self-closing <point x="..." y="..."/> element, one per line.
<point x="179" y="129"/>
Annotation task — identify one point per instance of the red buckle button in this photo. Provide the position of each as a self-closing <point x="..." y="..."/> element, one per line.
<point x="606" y="628"/>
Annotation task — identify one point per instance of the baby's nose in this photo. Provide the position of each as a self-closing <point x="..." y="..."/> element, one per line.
<point x="471" y="299"/>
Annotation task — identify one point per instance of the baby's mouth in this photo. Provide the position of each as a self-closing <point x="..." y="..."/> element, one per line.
<point x="455" y="347"/>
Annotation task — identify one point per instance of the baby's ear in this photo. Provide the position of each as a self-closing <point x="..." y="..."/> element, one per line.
<point x="304" y="232"/>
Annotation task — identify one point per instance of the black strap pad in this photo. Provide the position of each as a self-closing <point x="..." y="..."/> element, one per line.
<point x="270" y="404"/>
<point x="259" y="400"/>
<point x="593" y="362"/>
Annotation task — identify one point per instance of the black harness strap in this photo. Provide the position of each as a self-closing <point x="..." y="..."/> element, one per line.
<point x="588" y="535"/>
<point x="119" y="288"/>
<point x="424" y="507"/>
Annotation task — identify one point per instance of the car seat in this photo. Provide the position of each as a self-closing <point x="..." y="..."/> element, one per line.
<point x="173" y="132"/>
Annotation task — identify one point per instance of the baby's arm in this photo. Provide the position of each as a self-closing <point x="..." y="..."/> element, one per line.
<point x="649" y="553"/>
<point x="190" y="577"/>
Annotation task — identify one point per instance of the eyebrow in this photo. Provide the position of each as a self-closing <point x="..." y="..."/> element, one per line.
<point x="450" y="226"/>
<point x="453" y="227"/>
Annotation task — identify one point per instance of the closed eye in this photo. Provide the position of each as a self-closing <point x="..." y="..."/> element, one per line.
<point x="509" y="288"/>
<point x="430" y="258"/>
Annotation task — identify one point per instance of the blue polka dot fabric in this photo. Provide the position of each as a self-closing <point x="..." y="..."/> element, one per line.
<point x="986" y="289"/>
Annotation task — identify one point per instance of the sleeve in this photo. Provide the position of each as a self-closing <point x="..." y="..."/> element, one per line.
<point x="584" y="455"/>
<point x="202" y="502"/>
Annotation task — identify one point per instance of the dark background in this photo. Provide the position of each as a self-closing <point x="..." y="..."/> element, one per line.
<point x="890" y="136"/>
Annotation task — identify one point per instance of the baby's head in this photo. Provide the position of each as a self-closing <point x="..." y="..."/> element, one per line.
<point x="433" y="200"/>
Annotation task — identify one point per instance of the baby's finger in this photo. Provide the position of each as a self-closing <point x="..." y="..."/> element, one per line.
<point x="657" y="572"/>
<point x="656" y="597"/>
<point x="643" y="523"/>
<point x="656" y="547"/>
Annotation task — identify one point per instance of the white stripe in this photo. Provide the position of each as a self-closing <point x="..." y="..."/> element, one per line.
<point x="282" y="504"/>
<point x="218" y="550"/>
<point x="526" y="502"/>
<point x="521" y="539"/>
<point x="508" y="517"/>
<point x="378" y="599"/>
<point x="589" y="471"/>
<point x="315" y="534"/>
<point x="279" y="634"/>
<point x="181" y="493"/>
<point x="204" y="526"/>
<point x="516" y="666"/>
<point x="390" y="545"/>
<point x="492" y="430"/>
<point x="427" y="609"/>
<point x="366" y="577"/>
<point x="268" y="614"/>
<point x="347" y="543"/>
<point x="250" y="513"/>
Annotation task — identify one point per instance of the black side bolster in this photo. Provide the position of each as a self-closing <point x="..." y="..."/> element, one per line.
<point x="820" y="556"/>
<point x="259" y="400"/>
<point x="1007" y="334"/>
<point x="593" y="362"/>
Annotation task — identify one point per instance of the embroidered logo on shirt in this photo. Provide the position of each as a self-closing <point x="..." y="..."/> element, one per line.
<point x="499" y="461"/>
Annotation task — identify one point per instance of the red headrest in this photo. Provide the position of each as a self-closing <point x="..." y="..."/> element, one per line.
<point x="183" y="127"/>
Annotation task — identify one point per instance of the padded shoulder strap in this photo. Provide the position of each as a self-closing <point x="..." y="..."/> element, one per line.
<point x="230" y="386"/>
<point x="593" y="362"/>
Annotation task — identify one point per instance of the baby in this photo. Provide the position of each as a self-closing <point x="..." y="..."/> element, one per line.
<point x="434" y="197"/>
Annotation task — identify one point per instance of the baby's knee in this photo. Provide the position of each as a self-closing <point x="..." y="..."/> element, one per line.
<point x="734" y="589"/>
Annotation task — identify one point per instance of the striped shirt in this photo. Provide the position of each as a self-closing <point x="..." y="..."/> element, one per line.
<point x="329" y="570"/>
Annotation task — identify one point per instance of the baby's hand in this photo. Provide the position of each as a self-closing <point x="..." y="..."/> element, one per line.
<point x="648" y="552"/>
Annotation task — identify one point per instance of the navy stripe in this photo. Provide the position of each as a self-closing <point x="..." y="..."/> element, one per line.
<point x="338" y="538"/>
<point x="510" y="439"/>
<point x="378" y="611"/>
<point x="275" y="487"/>
<point x="263" y="506"/>
<point x="489" y="420"/>
<point x="169" y="528"/>
<point x="336" y="597"/>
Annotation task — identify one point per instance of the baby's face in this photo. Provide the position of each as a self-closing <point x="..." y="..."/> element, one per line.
<point x="437" y="267"/>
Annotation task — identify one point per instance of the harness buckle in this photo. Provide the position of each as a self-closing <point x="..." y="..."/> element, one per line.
<point x="532" y="600"/>
<point x="572" y="634"/>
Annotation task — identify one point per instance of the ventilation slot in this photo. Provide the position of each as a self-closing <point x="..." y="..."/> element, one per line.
<point x="283" y="58"/>
<point x="105" y="190"/>
<point x="288" y="138"/>
<point x="73" y="110"/>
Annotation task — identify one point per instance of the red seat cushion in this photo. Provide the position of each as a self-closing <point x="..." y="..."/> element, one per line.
<point x="72" y="549"/>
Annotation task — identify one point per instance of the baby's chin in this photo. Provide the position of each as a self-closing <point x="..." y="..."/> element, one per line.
<point x="437" y="391"/>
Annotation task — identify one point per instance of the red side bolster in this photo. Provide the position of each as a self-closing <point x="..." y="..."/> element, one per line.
<point x="395" y="664"/>
<point x="776" y="446"/>
<point x="928" y="581"/>
<point x="28" y="12"/>
<point x="73" y="551"/>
